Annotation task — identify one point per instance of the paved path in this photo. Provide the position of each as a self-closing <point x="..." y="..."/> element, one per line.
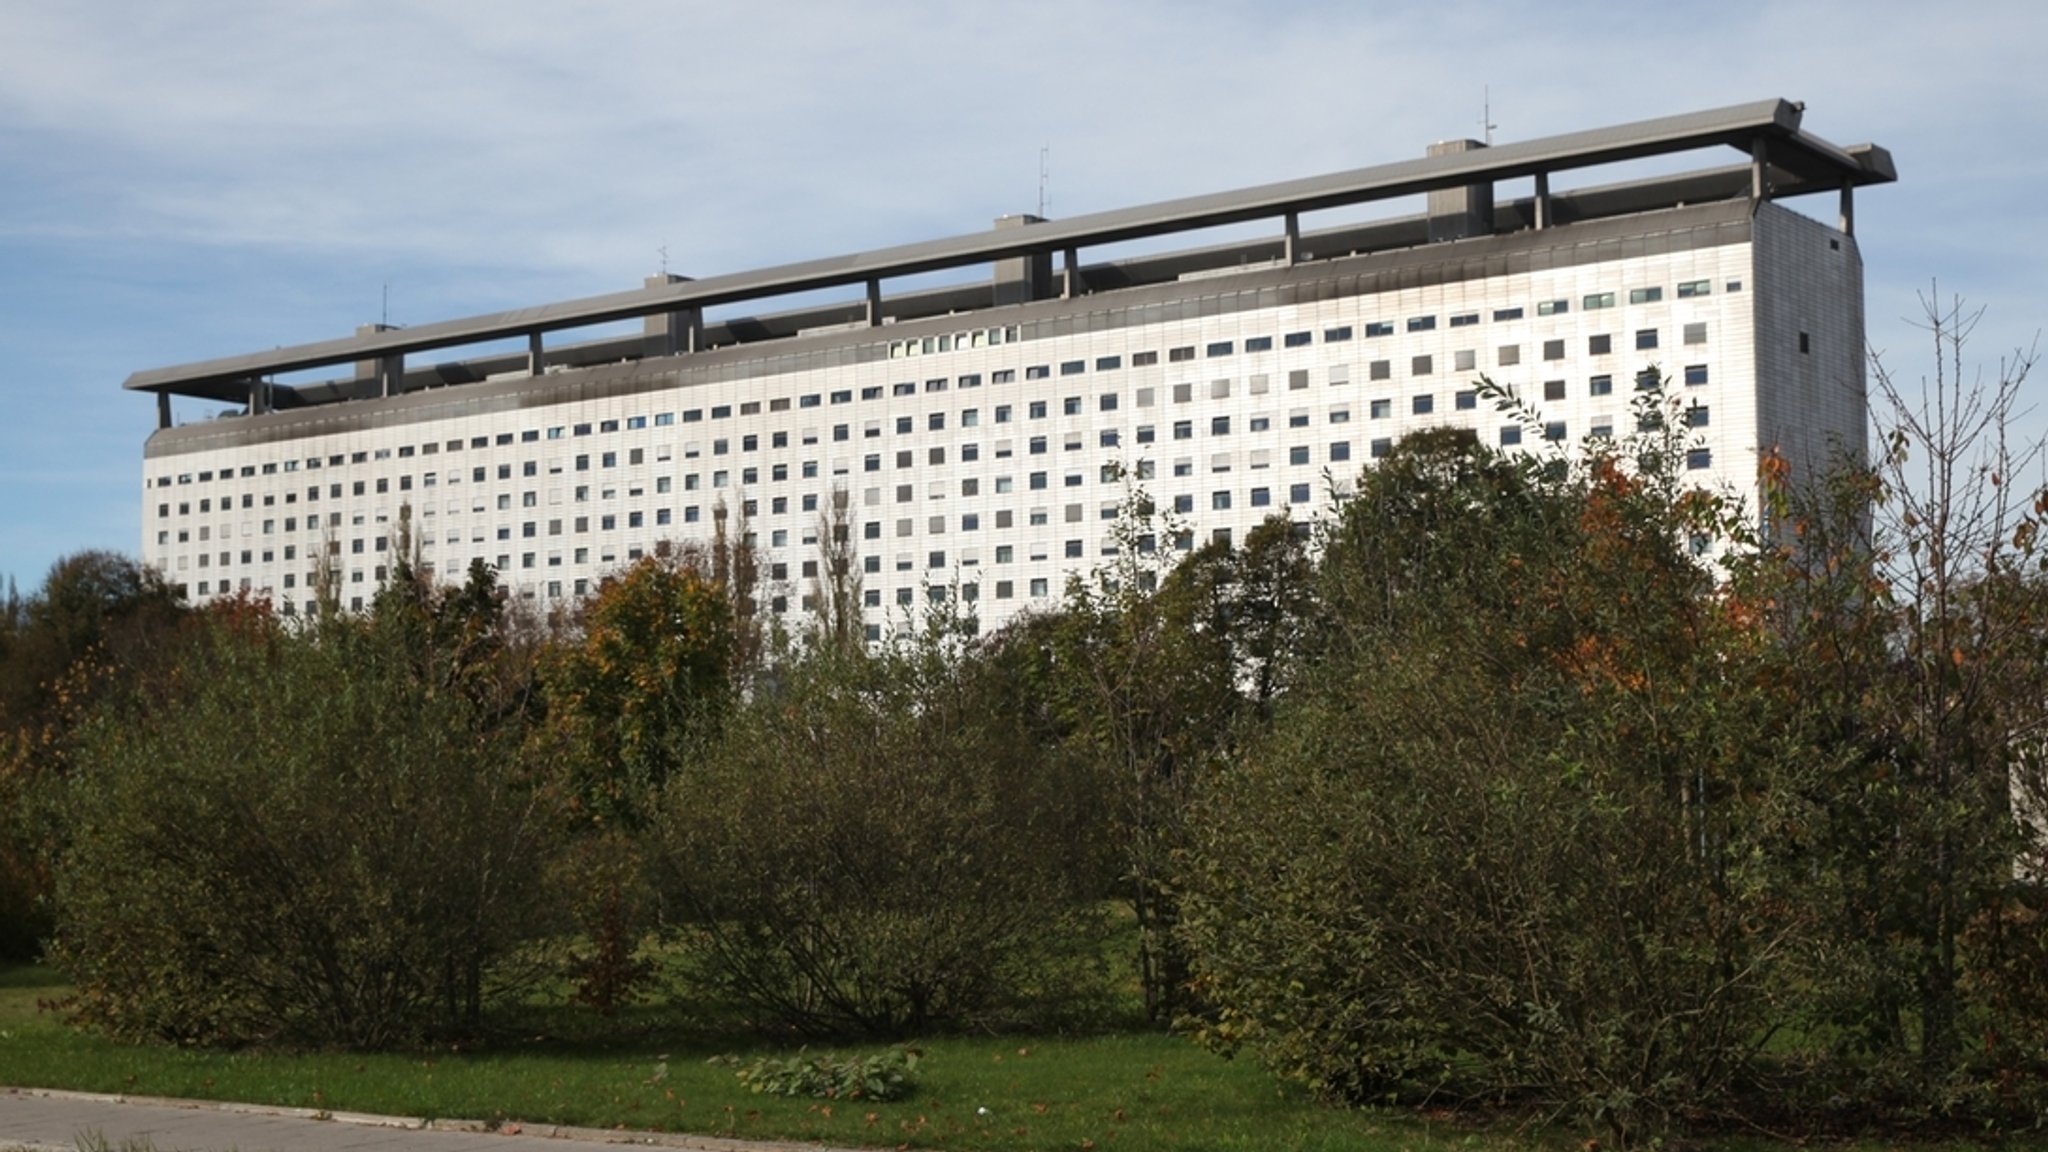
<point x="40" y="1120"/>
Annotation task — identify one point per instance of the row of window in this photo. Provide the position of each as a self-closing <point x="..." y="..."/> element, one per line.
<point x="1421" y="404"/>
<point x="1510" y="435"/>
<point x="1465" y="360"/>
<point x="1299" y="493"/>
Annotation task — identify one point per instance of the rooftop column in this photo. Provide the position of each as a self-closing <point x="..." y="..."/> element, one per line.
<point x="1458" y="213"/>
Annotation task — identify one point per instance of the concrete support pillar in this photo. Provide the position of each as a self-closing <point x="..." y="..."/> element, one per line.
<point x="1848" y="221"/>
<point x="1070" y="280"/>
<point x="1292" y="247"/>
<point x="672" y="333"/>
<point x="1542" y="200"/>
<point x="1759" y="171"/>
<point x="1021" y="279"/>
<point x="1460" y="213"/>
<point x="259" y="397"/>
<point x="384" y="374"/>
<point x="874" y="303"/>
<point x="536" y="354"/>
<point x="163" y="409"/>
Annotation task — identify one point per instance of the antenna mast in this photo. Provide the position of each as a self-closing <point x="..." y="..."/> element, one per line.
<point x="1486" y="123"/>
<point x="1044" y="178"/>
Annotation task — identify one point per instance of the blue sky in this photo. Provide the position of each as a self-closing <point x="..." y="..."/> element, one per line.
<point x="184" y="179"/>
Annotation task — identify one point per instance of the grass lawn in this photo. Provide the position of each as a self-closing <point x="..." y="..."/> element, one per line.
<point x="1132" y="1091"/>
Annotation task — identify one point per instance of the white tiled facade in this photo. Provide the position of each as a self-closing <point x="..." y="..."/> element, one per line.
<point x="984" y="454"/>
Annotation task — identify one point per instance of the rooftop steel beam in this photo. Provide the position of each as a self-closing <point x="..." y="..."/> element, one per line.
<point x="1820" y="163"/>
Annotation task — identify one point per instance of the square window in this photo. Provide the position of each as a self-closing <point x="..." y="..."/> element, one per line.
<point x="1467" y="399"/>
<point x="1695" y="374"/>
<point x="1422" y="405"/>
<point x="1646" y="338"/>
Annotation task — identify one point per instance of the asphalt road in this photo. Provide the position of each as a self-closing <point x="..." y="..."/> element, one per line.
<point x="47" y="1121"/>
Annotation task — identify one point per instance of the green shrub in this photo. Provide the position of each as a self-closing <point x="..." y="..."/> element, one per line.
<point x="1511" y="837"/>
<point x="880" y="1077"/>
<point x="876" y="847"/>
<point x="321" y="837"/>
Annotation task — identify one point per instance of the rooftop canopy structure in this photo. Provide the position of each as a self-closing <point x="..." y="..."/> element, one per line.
<point x="1779" y="159"/>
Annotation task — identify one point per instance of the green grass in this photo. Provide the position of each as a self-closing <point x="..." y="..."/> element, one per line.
<point x="1132" y="1091"/>
<point x="1135" y="1091"/>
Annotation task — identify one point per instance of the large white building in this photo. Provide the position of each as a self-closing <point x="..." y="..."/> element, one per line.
<point x="982" y="432"/>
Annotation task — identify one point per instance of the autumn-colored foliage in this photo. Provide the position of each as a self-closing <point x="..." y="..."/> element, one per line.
<point x="643" y="680"/>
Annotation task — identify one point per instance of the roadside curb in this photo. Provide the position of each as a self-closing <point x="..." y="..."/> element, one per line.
<point x="683" y="1141"/>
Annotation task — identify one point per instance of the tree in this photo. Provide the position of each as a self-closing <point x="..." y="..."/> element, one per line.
<point x="1142" y="676"/>
<point x="320" y="836"/>
<point x="1513" y="834"/>
<point x="1911" y="603"/>
<point x="874" y="846"/>
<point x="98" y="621"/>
<point x="637" y="692"/>
<point x="736" y="569"/>
<point x="645" y="680"/>
<point x="835" y="595"/>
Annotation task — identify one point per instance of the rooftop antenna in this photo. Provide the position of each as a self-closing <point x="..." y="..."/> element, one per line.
<point x="664" y="259"/>
<point x="1486" y="113"/>
<point x="1044" y="178"/>
<point x="384" y="313"/>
